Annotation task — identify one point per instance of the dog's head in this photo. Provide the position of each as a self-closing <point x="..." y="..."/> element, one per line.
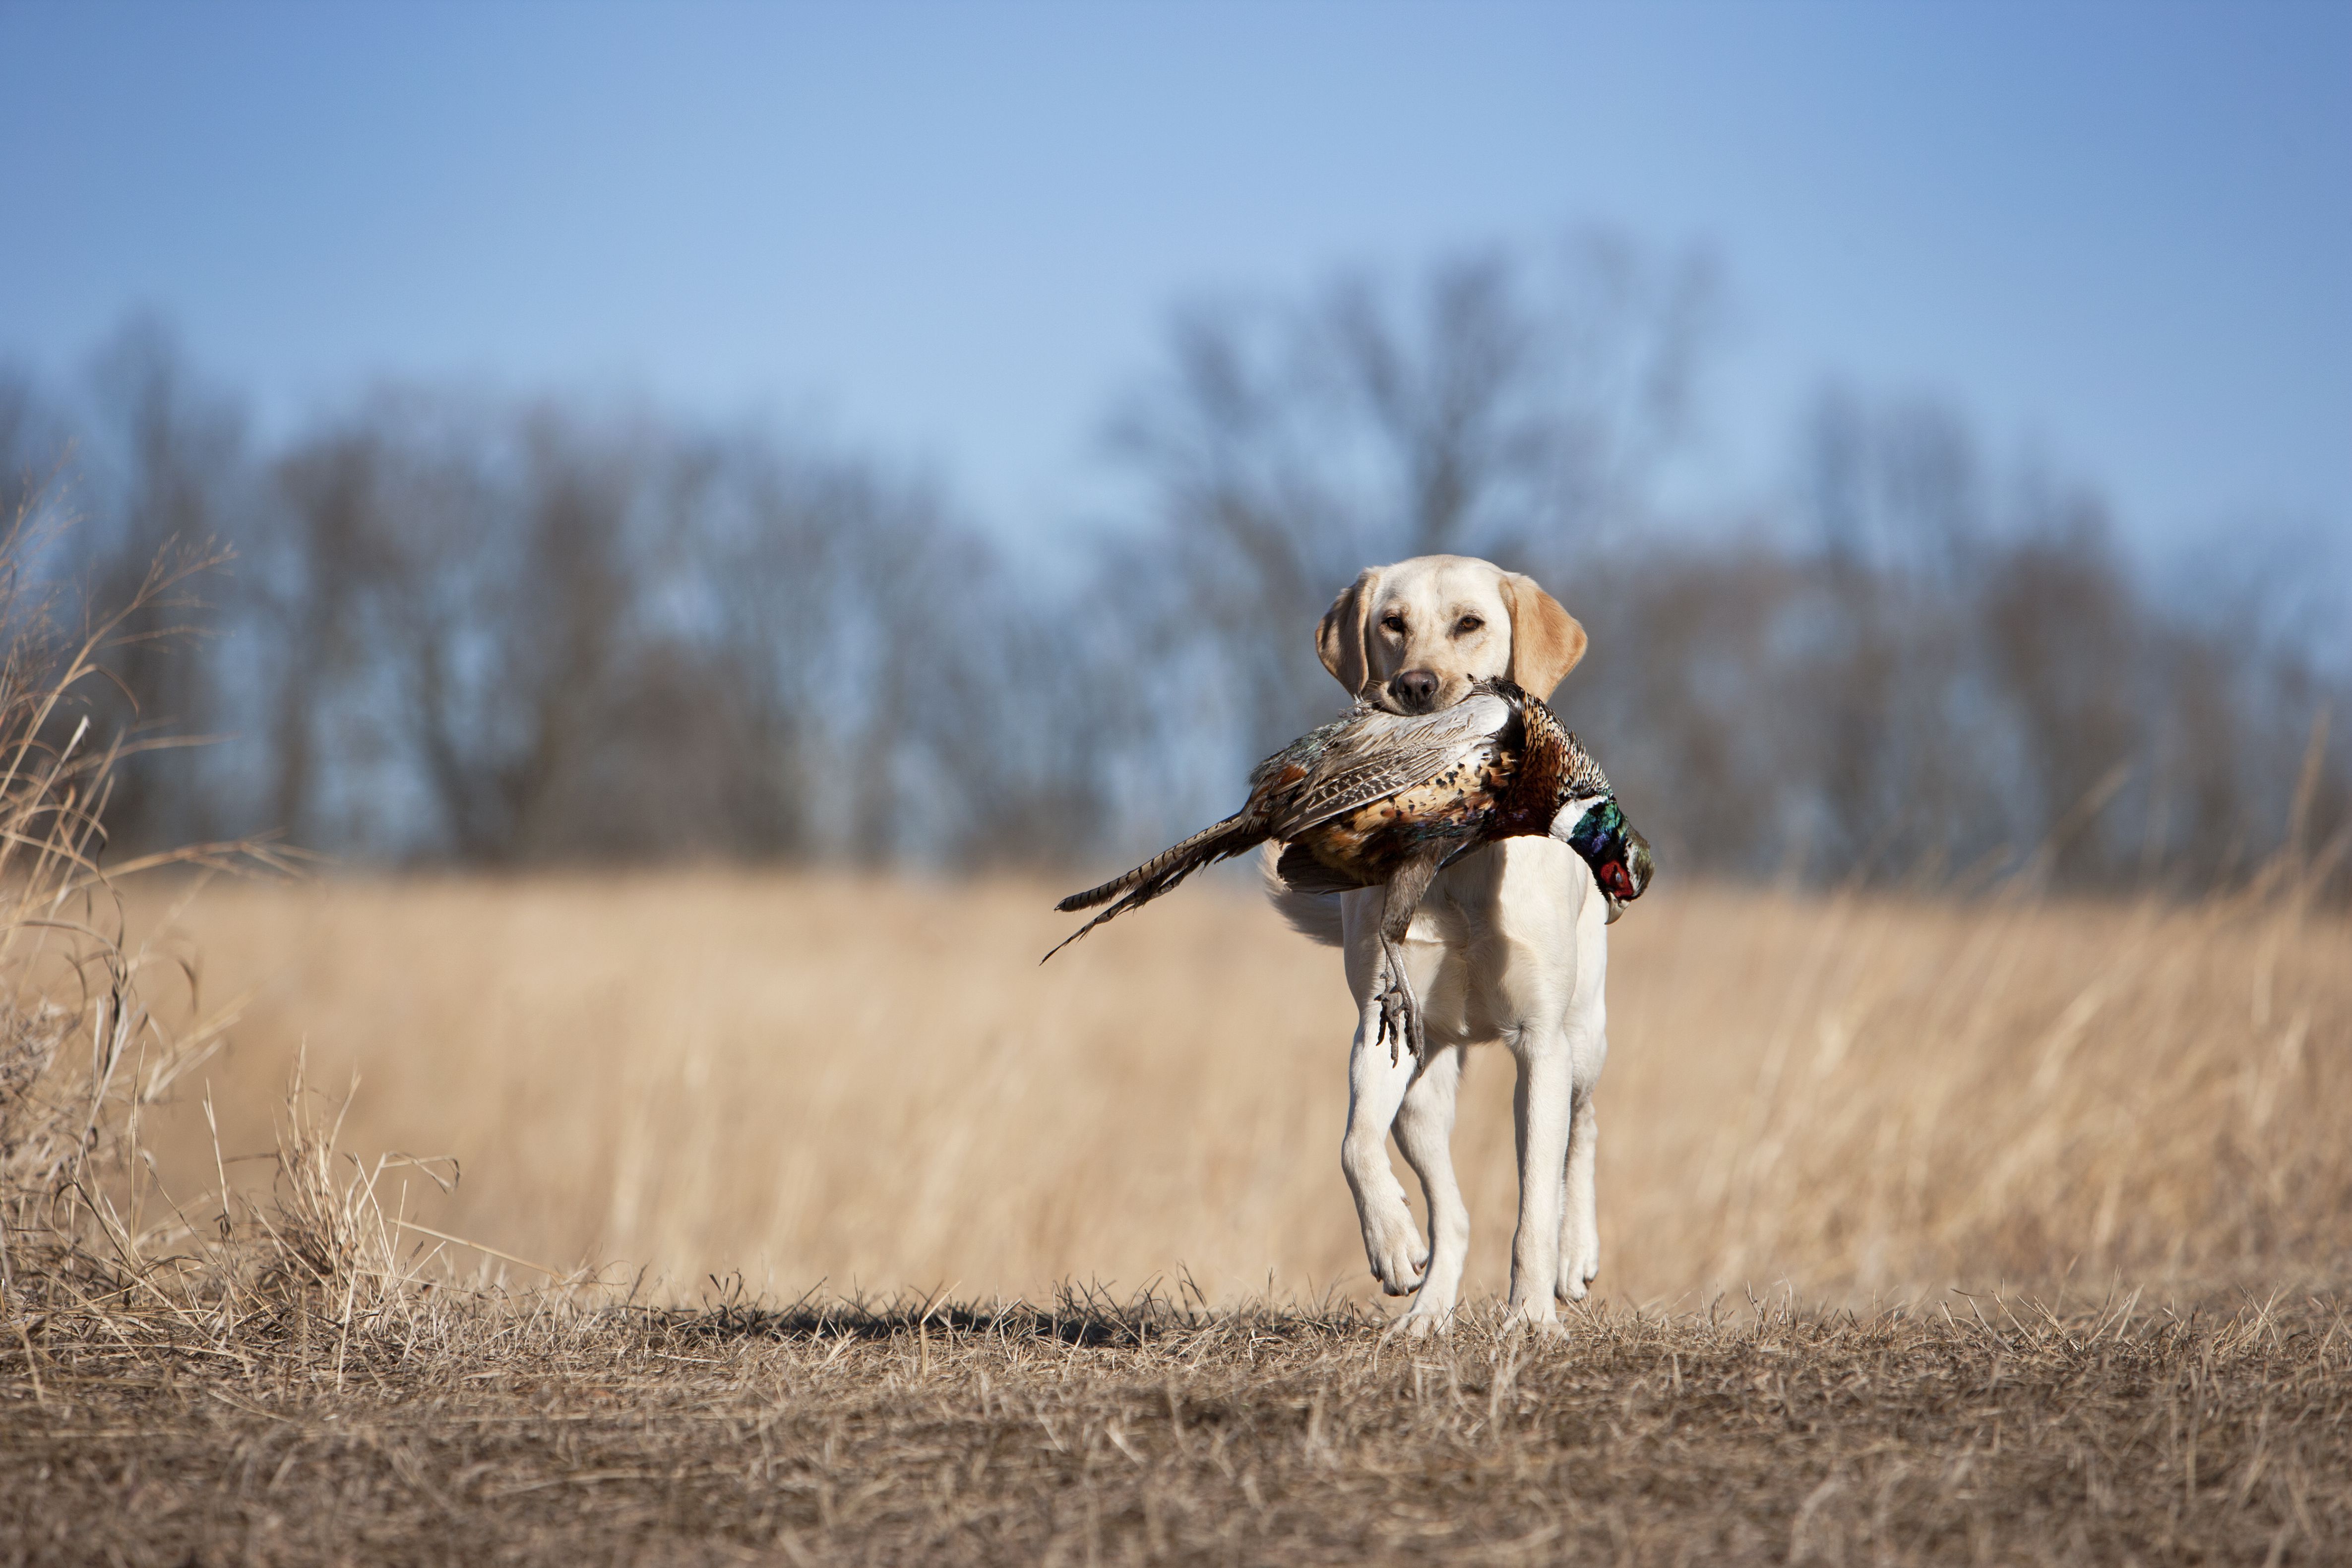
<point x="1413" y="637"/>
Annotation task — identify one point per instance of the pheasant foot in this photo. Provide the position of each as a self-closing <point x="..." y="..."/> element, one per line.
<point x="1401" y="1021"/>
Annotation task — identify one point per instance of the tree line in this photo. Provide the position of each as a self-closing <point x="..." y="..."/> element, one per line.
<point x="458" y="627"/>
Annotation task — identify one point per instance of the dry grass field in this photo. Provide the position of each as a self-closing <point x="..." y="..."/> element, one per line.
<point x="871" y="1084"/>
<point x="1999" y="1232"/>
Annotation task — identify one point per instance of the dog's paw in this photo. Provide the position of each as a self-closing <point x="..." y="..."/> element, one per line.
<point x="1580" y="1265"/>
<point x="1418" y="1323"/>
<point x="1536" y="1320"/>
<point x="1400" y="1272"/>
<point x="1392" y="1246"/>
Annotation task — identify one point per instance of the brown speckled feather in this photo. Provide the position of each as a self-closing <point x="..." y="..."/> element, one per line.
<point x="1372" y="790"/>
<point x="1383" y="753"/>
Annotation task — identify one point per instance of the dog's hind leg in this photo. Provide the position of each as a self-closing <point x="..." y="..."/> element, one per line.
<point x="1580" y="1216"/>
<point x="1543" y="1108"/>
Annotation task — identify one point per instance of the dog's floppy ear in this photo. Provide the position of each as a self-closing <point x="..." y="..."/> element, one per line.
<point x="1340" y="638"/>
<point x="1546" y="641"/>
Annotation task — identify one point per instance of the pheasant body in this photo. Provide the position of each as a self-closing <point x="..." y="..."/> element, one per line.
<point x="1510" y="783"/>
<point x="1378" y="798"/>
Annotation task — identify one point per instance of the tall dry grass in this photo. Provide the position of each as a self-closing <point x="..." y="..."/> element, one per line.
<point x="91" y="1241"/>
<point x="82" y="1057"/>
<point x="871" y="1083"/>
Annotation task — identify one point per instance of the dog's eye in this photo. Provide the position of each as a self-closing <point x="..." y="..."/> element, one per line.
<point x="1394" y="624"/>
<point x="1467" y="624"/>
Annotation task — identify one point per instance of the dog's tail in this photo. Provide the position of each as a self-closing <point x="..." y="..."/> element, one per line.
<point x="1313" y="914"/>
<point x="1237" y="834"/>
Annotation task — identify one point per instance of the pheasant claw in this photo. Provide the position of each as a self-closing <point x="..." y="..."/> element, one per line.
<point x="1401" y="1020"/>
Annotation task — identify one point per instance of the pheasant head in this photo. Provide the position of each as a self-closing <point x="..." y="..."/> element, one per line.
<point x="1618" y="853"/>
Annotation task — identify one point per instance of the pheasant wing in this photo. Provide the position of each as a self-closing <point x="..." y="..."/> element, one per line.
<point x="1373" y="755"/>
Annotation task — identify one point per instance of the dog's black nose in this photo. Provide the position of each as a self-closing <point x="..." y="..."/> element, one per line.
<point x="1416" y="689"/>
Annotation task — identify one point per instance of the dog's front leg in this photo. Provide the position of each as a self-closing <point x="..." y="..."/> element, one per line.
<point x="1542" y="1111"/>
<point x="1424" y="1130"/>
<point x="1377" y="1081"/>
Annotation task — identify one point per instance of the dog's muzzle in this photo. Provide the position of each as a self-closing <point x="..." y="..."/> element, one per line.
<point x="1413" y="691"/>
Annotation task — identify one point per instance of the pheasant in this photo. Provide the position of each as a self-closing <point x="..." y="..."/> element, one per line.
<point x="1374" y="797"/>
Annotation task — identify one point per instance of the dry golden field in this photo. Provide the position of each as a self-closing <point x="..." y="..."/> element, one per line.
<point x="2044" y="1209"/>
<point x="873" y="1085"/>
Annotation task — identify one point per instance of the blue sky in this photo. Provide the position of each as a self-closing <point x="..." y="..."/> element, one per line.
<point x="2119" y="236"/>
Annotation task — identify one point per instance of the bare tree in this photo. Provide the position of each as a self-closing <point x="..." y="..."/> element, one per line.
<point x="494" y="632"/>
<point x="168" y="476"/>
<point x="33" y="449"/>
<point x="1492" y="405"/>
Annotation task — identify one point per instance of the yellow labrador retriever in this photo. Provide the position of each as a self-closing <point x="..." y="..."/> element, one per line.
<point x="1508" y="946"/>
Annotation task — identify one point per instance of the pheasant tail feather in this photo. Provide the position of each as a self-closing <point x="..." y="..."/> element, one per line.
<point x="1237" y="834"/>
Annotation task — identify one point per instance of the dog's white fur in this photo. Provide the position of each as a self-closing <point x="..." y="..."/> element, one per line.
<point x="1509" y="946"/>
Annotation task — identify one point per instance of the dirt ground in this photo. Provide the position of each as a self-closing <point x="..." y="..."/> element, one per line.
<point x="1100" y="1432"/>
